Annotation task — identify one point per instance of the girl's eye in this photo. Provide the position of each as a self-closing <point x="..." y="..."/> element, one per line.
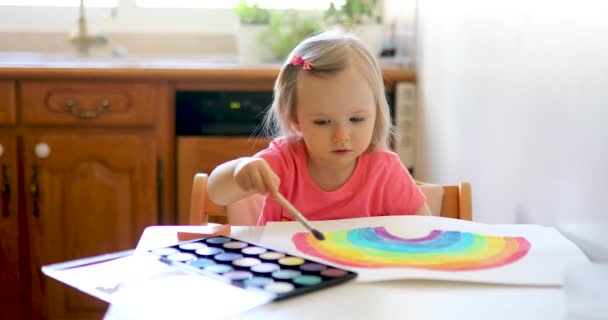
<point x="357" y="119"/>
<point x="321" y="122"/>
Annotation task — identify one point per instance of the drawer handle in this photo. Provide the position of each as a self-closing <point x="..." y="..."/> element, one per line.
<point x="87" y="114"/>
<point x="35" y="191"/>
<point x="5" y="190"/>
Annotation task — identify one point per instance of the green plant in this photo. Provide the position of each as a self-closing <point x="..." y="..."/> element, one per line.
<point x="287" y="29"/>
<point x="252" y="14"/>
<point x="353" y="12"/>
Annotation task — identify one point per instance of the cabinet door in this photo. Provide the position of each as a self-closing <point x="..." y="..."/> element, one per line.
<point x="202" y="155"/>
<point x="9" y="235"/>
<point x="7" y="102"/>
<point x="96" y="194"/>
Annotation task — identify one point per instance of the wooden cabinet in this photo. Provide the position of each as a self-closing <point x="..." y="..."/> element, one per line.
<point x="9" y="224"/>
<point x="82" y="183"/>
<point x="10" y="290"/>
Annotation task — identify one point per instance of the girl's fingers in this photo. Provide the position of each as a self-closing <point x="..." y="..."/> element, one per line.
<point x="258" y="176"/>
<point x="258" y="182"/>
<point x="246" y="181"/>
<point x="269" y="185"/>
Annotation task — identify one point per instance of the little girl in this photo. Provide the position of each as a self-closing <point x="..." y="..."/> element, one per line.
<point x="332" y="125"/>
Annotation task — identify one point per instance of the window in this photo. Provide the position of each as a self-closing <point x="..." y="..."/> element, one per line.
<point x="274" y="4"/>
<point x="208" y="4"/>
<point x="135" y="16"/>
<point x="60" y="3"/>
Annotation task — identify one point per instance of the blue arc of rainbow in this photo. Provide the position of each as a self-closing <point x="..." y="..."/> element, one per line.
<point x="438" y="250"/>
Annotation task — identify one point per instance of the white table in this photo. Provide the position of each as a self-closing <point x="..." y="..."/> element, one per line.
<point x="409" y="299"/>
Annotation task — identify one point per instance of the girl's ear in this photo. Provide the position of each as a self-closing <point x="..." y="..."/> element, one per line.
<point x="296" y="126"/>
<point x="294" y="123"/>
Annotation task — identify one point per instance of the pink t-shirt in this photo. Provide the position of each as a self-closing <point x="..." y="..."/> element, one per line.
<point x="380" y="185"/>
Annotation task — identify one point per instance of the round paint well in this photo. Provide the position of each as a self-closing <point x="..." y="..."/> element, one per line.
<point x="253" y="251"/>
<point x="234" y="245"/>
<point x="265" y="268"/>
<point x="227" y="256"/>
<point x="208" y="251"/>
<point x="246" y="262"/>
<point x="238" y="275"/>
<point x="164" y="251"/>
<point x="312" y="267"/>
<point x="218" y="268"/>
<point x="279" y="287"/>
<point x="307" y="280"/>
<point x="217" y="240"/>
<point x="333" y="273"/>
<point x="181" y="257"/>
<point x="191" y="246"/>
<point x="258" y="281"/>
<point x="201" y="262"/>
<point x="291" y="261"/>
<point x="286" y="274"/>
<point x="271" y="255"/>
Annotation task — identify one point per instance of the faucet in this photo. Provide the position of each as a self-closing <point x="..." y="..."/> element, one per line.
<point x="83" y="41"/>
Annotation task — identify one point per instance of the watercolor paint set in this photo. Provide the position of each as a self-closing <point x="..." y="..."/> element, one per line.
<point x="276" y="274"/>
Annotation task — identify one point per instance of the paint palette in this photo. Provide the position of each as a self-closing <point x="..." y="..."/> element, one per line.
<point x="252" y="267"/>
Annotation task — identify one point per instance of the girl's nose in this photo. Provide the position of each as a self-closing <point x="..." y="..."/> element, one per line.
<point x="341" y="133"/>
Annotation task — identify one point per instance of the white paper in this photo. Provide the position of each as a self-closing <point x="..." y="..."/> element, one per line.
<point x="178" y="295"/>
<point x="139" y="286"/>
<point x="103" y="279"/>
<point x="544" y="264"/>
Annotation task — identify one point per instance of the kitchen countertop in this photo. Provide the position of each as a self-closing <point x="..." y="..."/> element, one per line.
<point x="50" y="65"/>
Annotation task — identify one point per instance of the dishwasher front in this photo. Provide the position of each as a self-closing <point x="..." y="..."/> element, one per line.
<point x="213" y="127"/>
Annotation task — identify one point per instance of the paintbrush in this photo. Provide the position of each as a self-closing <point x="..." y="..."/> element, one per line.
<point x="294" y="212"/>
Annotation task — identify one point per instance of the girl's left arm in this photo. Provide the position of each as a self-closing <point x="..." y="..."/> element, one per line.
<point x="400" y="185"/>
<point x="424" y="210"/>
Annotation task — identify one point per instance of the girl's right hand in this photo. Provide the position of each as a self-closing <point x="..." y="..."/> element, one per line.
<point x="254" y="174"/>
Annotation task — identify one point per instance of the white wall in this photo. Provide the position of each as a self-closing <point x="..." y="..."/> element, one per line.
<point x="514" y="99"/>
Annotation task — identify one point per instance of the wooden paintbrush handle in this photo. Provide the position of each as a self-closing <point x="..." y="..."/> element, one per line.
<point x="292" y="210"/>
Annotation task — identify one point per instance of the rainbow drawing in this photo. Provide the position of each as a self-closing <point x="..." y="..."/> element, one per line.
<point x="439" y="250"/>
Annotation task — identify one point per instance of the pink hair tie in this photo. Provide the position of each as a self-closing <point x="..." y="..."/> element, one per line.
<point x="298" y="61"/>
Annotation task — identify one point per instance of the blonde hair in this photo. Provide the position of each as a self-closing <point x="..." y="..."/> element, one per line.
<point x="329" y="53"/>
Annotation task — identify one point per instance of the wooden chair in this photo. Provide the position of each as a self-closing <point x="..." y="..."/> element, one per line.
<point x="455" y="202"/>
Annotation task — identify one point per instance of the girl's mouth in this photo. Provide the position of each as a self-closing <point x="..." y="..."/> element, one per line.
<point x="341" y="151"/>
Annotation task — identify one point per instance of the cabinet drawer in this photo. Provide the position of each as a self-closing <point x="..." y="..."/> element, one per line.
<point x="7" y="103"/>
<point x="88" y="102"/>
